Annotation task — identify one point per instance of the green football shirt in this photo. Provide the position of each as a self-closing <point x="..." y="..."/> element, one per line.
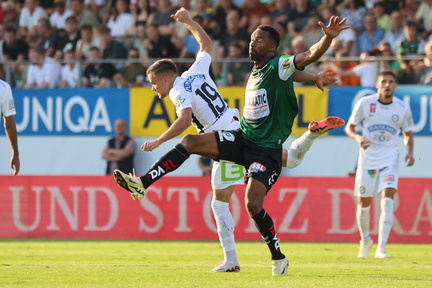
<point x="271" y="104"/>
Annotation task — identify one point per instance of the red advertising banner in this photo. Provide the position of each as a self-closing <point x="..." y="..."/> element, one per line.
<point x="303" y="208"/>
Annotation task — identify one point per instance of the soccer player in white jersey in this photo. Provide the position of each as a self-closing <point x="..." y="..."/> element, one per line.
<point x="198" y="101"/>
<point x="383" y="116"/>
<point x="7" y="109"/>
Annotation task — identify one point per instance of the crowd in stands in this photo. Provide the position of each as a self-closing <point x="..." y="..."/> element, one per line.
<point x="63" y="43"/>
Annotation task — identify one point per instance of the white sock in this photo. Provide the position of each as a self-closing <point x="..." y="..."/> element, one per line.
<point x="363" y="219"/>
<point x="385" y="221"/>
<point x="299" y="148"/>
<point x="225" y="230"/>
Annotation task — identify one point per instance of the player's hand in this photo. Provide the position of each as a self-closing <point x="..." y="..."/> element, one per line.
<point x="409" y="160"/>
<point x="150" y="145"/>
<point x="182" y="15"/>
<point x="325" y="77"/>
<point x="15" y="164"/>
<point x="362" y="142"/>
<point x="334" y="27"/>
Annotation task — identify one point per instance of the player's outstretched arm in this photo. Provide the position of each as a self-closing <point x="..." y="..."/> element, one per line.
<point x="320" y="79"/>
<point x="332" y="30"/>
<point x="182" y="122"/>
<point x="182" y="15"/>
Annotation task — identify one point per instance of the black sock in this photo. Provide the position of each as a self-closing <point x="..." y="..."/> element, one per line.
<point x="265" y="225"/>
<point x="167" y="163"/>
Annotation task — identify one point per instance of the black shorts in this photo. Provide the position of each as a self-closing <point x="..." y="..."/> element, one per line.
<point x="262" y="163"/>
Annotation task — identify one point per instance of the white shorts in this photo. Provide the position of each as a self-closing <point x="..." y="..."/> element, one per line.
<point x="373" y="181"/>
<point x="226" y="174"/>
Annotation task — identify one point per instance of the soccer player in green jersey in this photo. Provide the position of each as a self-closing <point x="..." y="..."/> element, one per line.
<point x="269" y="111"/>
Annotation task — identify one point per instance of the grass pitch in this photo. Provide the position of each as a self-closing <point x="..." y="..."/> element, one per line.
<point x="82" y="263"/>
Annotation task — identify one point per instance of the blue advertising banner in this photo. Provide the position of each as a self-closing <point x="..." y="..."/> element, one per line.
<point x="342" y="100"/>
<point x="72" y="112"/>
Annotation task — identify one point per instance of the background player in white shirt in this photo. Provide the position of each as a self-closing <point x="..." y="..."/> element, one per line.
<point x="383" y="116"/>
<point x="198" y="101"/>
<point x="7" y="109"/>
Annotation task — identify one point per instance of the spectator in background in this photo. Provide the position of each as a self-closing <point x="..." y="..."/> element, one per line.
<point x="7" y="110"/>
<point x="83" y="15"/>
<point x="97" y="74"/>
<point x="162" y="17"/>
<point x="396" y="33"/>
<point x="48" y="37"/>
<point x="158" y="46"/>
<point x="389" y="65"/>
<point x="371" y="36"/>
<point x="355" y="12"/>
<point x="96" y="7"/>
<point x="120" y="20"/>
<point x="423" y="17"/>
<point x="218" y="22"/>
<point x="234" y="32"/>
<point x="411" y="45"/>
<point x="111" y="48"/>
<point x="69" y="77"/>
<point x="285" y="39"/>
<point x="279" y="11"/>
<point x="43" y="72"/>
<point x="253" y="10"/>
<point x="11" y="15"/>
<point x="298" y="18"/>
<point x="140" y="14"/>
<point x="60" y="14"/>
<point x="426" y="76"/>
<point x="202" y="9"/>
<point x="367" y="70"/>
<point x="312" y="31"/>
<point x="237" y="72"/>
<point x="87" y="40"/>
<point x="383" y="19"/>
<point x="69" y="41"/>
<point x="138" y="41"/>
<point x="119" y="151"/>
<point x="133" y="74"/>
<point x="15" y="49"/>
<point x="29" y="17"/>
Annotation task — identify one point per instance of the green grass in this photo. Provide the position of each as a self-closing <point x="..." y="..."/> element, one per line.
<point x="81" y="263"/>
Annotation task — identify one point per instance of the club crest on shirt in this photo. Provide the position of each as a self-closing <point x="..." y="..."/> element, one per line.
<point x="395" y="118"/>
<point x="372" y="108"/>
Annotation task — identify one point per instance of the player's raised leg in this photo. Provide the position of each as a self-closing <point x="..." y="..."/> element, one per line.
<point x="301" y="145"/>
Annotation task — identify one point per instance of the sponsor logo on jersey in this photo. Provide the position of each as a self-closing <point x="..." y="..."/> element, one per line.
<point x="256" y="167"/>
<point x="389" y="178"/>
<point x="383" y="127"/>
<point x="372" y="173"/>
<point x="260" y="99"/>
<point x="190" y="79"/>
